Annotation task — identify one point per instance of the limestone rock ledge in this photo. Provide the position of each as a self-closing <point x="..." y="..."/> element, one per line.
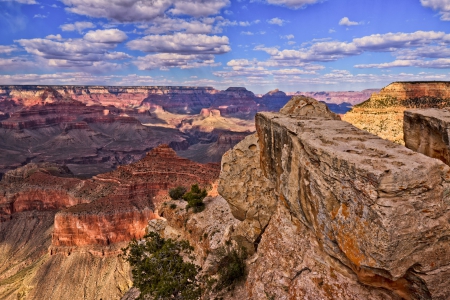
<point x="356" y="217"/>
<point x="427" y="131"/>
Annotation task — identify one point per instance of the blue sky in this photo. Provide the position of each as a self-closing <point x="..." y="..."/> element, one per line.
<point x="293" y="45"/>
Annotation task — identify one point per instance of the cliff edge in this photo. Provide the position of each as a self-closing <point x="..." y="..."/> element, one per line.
<point x="336" y="212"/>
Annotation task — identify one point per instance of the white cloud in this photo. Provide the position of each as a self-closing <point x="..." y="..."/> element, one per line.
<point x="276" y="21"/>
<point x="77" y="54"/>
<point x="114" y="36"/>
<point x="182" y="43"/>
<point x="441" y="63"/>
<point x="287" y="37"/>
<point x="172" y="60"/>
<point x="247" y="33"/>
<point x="169" y="25"/>
<point x="15" y="63"/>
<point x="346" y="22"/>
<point x="333" y="50"/>
<point x="21" y="1"/>
<point x="7" y="49"/>
<point x="78" y="26"/>
<point x="443" y="6"/>
<point x="295" y="4"/>
<point x="54" y="37"/>
<point x="40" y="16"/>
<point x="134" y="11"/>
<point x="198" y="8"/>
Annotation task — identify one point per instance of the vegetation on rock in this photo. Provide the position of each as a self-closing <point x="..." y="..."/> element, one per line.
<point x="177" y="193"/>
<point x="159" y="270"/>
<point x="195" y="198"/>
<point x="231" y="267"/>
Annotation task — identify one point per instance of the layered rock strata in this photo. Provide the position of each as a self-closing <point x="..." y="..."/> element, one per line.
<point x="356" y="216"/>
<point x="46" y="212"/>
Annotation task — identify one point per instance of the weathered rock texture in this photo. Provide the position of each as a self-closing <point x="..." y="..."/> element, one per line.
<point x="357" y="216"/>
<point x="427" y="131"/>
<point x="382" y="114"/>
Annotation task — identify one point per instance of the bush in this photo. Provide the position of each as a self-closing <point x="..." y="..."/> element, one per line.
<point x="158" y="268"/>
<point x="195" y="198"/>
<point x="231" y="267"/>
<point x="177" y="193"/>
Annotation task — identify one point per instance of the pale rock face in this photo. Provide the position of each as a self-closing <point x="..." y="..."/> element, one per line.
<point x="427" y="131"/>
<point x="366" y="217"/>
<point x="248" y="192"/>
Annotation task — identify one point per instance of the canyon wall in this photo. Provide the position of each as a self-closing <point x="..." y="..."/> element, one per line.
<point x="427" y="131"/>
<point x="60" y="234"/>
<point x="382" y="114"/>
<point x="349" y="215"/>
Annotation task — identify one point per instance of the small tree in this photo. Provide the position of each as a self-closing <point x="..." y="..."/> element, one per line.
<point x="195" y="198"/>
<point x="158" y="268"/>
<point x="231" y="267"/>
<point x="177" y="193"/>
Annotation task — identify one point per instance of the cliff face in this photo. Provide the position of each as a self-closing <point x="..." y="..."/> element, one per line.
<point x="382" y="114"/>
<point x="62" y="234"/>
<point x="349" y="215"/>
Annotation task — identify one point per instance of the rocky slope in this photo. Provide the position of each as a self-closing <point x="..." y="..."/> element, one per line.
<point x="382" y="114"/>
<point x="334" y="212"/>
<point x="62" y="234"/>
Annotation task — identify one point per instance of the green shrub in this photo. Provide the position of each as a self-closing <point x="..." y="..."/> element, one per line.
<point x="158" y="268"/>
<point x="173" y="206"/>
<point x="231" y="267"/>
<point x="177" y="193"/>
<point x="195" y="198"/>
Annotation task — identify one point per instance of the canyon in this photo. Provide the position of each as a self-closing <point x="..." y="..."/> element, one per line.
<point x="324" y="209"/>
<point x="94" y="129"/>
<point x="59" y="233"/>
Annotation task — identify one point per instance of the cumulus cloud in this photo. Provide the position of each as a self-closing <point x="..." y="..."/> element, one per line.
<point x="144" y="11"/>
<point x="108" y="36"/>
<point x="54" y="37"/>
<point x="294" y="4"/>
<point x="165" y="61"/>
<point x="198" y="8"/>
<point x="346" y="22"/>
<point x="169" y="25"/>
<point x="21" y="1"/>
<point x="182" y="43"/>
<point x="443" y="6"/>
<point x="7" y="49"/>
<point x="78" y="26"/>
<point x="276" y="21"/>
<point x="287" y="37"/>
<point x="441" y="63"/>
<point x="333" y="50"/>
<point x="78" y="54"/>
<point x="15" y="63"/>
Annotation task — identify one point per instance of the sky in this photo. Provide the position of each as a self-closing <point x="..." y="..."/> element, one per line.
<point x="292" y="45"/>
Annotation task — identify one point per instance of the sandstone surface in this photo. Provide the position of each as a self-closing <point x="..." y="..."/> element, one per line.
<point x="382" y="114"/>
<point x="427" y="131"/>
<point x="356" y="216"/>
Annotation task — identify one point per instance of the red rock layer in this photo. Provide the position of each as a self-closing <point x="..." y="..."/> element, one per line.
<point x="124" y="213"/>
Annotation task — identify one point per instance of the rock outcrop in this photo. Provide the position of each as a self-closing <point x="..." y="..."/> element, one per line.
<point x="382" y="113"/>
<point x="427" y="131"/>
<point x="355" y="216"/>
